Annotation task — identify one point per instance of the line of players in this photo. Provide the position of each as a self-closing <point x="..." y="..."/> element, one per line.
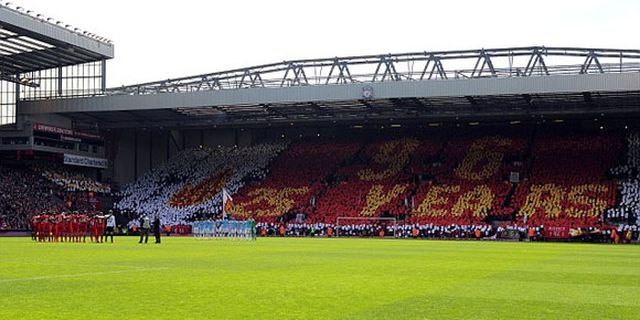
<point x="61" y="227"/>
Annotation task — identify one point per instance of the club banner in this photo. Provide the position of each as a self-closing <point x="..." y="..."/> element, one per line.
<point x="64" y="131"/>
<point x="227" y="203"/>
<point x="83" y="161"/>
<point x="556" y="232"/>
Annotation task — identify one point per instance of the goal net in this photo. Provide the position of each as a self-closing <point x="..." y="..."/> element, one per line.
<point x="348" y="225"/>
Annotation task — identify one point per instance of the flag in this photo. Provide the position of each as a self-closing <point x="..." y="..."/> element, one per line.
<point x="227" y="203"/>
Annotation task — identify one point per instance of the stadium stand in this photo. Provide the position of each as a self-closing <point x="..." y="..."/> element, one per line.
<point x="188" y="186"/>
<point x="439" y="185"/>
<point x="428" y="170"/>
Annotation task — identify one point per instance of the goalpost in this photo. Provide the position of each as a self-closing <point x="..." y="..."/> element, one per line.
<point x="341" y="221"/>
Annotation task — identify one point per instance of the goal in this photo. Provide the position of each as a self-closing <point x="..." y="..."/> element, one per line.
<point x="343" y="221"/>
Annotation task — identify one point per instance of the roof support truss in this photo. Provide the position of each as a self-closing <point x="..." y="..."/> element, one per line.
<point x="436" y="65"/>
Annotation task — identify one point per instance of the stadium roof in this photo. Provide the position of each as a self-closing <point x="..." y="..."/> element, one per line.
<point x="31" y="42"/>
<point x="503" y="82"/>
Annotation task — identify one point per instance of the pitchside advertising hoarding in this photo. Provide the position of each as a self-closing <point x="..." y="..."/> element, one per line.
<point x="556" y="232"/>
<point x="83" y="161"/>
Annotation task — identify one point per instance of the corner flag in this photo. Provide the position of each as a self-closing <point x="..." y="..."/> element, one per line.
<point x="227" y="203"/>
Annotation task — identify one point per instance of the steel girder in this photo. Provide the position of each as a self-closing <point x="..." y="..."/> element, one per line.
<point x="416" y="66"/>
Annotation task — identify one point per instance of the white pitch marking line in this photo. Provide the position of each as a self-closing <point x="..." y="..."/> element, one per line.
<point x="76" y="275"/>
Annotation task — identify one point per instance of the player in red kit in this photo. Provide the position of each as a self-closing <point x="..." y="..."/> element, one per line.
<point x="62" y="226"/>
<point x="92" y="228"/>
<point x="72" y="226"/>
<point x="66" y="228"/>
<point x="58" y="224"/>
<point x="46" y="227"/>
<point x="53" y="228"/>
<point x="34" y="227"/>
<point x="83" y="224"/>
<point x="100" y="221"/>
<point x="69" y="228"/>
<point x="40" y="227"/>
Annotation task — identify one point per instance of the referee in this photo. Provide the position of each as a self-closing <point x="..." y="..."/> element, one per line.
<point x="111" y="225"/>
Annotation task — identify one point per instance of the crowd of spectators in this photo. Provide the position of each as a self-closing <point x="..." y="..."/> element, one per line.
<point x="31" y="188"/>
<point x="435" y="186"/>
<point x="512" y="232"/>
<point x="474" y="183"/>
<point x="458" y="180"/>
<point x="628" y="174"/>
<point x="568" y="182"/>
<point x="72" y="181"/>
<point x="189" y="185"/>
<point x="386" y="229"/>
<point x="296" y="180"/>
<point x="374" y="182"/>
<point x="24" y="192"/>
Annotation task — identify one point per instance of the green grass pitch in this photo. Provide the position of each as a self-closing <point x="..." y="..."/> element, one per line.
<point x="318" y="279"/>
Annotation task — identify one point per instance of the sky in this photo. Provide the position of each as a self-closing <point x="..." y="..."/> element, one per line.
<point x="156" y="40"/>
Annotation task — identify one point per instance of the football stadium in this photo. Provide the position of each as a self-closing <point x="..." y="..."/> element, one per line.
<point x="458" y="184"/>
